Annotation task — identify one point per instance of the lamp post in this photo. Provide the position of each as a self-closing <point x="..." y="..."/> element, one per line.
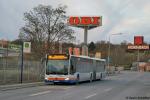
<point x="21" y="66"/>
<point x="108" y="61"/>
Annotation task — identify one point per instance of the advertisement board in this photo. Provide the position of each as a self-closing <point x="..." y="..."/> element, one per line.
<point x="83" y="21"/>
<point x="136" y="47"/>
<point x="138" y="40"/>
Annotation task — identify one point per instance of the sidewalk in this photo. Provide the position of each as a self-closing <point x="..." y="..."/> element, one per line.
<point x="18" y="86"/>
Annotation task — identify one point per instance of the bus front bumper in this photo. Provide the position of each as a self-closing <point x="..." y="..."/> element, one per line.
<point x="61" y="81"/>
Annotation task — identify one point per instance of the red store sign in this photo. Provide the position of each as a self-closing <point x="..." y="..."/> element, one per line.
<point x="85" y="21"/>
<point x="138" y="40"/>
<point x="136" y="47"/>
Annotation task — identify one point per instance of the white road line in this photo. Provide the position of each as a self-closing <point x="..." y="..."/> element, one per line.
<point x="40" y="93"/>
<point x="108" y="89"/>
<point x="90" y="96"/>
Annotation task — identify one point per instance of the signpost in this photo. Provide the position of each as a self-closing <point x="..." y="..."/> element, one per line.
<point x="138" y="45"/>
<point x="85" y="22"/>
<point x="26" y="48"/>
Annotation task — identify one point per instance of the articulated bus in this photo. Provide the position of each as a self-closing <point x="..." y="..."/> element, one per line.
<point x="61" y="68"/>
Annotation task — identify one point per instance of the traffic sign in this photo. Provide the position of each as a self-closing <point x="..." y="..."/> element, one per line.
<point x="14" y="47"/>
<point x="27" y="47"/>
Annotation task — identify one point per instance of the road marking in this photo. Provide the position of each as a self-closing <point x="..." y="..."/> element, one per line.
<point x="91" y="96"/>
<point x="40" y="93"/>
<point x="108" y="89"/>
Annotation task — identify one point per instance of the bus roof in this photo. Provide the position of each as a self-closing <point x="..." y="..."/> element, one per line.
<point x="88" y="57"/>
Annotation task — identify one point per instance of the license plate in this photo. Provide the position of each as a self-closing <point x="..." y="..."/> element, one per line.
<point x="56" y="81"/>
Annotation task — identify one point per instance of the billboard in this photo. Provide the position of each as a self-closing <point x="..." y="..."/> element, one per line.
<point x="83" y="21"/>
<point x="138" y="40"/>
<point x="138" y="47"/>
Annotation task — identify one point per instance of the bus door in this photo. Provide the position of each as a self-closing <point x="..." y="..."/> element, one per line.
<point x="94" y="70"/>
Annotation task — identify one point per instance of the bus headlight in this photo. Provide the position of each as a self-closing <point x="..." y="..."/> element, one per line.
<point x="46" y="78"/>
<point x="66" y="79"/>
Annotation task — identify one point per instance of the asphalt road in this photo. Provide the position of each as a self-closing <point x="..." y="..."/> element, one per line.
<point x="124" y="86"/>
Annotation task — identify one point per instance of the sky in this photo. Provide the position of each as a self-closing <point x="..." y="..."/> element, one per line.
<point x="130" y="17"/>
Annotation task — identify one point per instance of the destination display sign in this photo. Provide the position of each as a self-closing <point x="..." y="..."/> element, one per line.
<point x="58" y="57"/>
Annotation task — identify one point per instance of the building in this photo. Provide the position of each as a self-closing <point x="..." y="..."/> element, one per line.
<point x="3" y="43"/>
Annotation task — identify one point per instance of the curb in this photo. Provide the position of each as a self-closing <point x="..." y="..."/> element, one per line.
<point x="19" y="86"/>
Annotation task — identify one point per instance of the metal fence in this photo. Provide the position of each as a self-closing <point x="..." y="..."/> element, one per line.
<point x="10" y="70"/>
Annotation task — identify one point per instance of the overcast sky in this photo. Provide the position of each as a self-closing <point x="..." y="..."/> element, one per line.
<point x="131" y="17"/>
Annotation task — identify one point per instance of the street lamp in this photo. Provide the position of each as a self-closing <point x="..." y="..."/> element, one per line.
<point x="108" y="61"/>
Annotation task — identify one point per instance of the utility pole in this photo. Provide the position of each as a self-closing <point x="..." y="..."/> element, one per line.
<point x="108" y="61"/>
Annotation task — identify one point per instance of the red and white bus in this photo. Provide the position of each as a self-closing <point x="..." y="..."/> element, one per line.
<point x="61" y="68"/>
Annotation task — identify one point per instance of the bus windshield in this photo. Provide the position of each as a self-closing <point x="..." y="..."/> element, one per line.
<point x="57" y="67"/>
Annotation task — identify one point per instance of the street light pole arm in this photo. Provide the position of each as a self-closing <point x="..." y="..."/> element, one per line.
<point x="117" y="34"/>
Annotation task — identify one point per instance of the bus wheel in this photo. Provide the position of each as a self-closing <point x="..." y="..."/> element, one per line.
<point x="91" y="78"/>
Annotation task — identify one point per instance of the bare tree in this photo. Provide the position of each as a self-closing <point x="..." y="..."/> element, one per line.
<point x="44" y="27"/>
